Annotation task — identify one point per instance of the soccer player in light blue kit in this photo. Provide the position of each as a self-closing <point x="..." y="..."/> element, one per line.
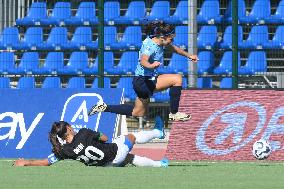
<point x="147" y="81"/>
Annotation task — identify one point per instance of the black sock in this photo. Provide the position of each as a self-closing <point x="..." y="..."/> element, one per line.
<point x="175" y="93"/>
<point x="123" y="109"/>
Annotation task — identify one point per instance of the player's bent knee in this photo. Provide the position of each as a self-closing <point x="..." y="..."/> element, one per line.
<point x="138" y="113"/>
<point x="178" y="79"/>
<point x="132" y="138"/>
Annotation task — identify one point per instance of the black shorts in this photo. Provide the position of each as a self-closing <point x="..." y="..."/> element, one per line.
<point x="144" y="86"/>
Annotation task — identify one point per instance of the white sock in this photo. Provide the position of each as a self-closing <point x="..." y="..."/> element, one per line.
<point x="145" y="162"/>
<point x="145" y="136"/>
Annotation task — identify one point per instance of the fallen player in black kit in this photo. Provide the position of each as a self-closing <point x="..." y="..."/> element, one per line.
<point x="90" y="147"/>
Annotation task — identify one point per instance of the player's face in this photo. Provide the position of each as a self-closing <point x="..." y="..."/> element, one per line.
<point x="70" y="131"/>
<point x="168" y="39"/>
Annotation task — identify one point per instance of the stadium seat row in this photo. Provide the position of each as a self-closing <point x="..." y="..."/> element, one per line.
<point x="79" y="83"/>
<point x="78" y="63"/>
<point x="260" y="13"/>
<point x="126" y="83"/>
<point x="52" y="82"/>
<point x="86" y="14"/>
<point x="58" y="39"/>
<point x="256" y="62"/>
<point x="136" y="13"/>
<point x="132" y="39"/>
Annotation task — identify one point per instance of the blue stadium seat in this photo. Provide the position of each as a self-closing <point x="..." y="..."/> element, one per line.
<point x="278" y="17"/>
<point x="111" y="11"/>
<point x="126" y="84"/>
<point x="181" y="38"/>
<point x="29" y="63"/>
<point x="55" y="40"/>
<point x="207" y="37"/>
<point x="81" y="37"/>
<point x="33" y="37"/>
<point x="257" y="62"/>
<point x="51" y="82"/>
<point x="108" y="63"/>
<point x="54" y="61"/>
<point x="278" y="40"/>
<point x="77" y="63"/>
<point x="258" y="36"/>
<point x="241" y="11"/>
<point x="110" y="34"/>
<point x="260" y="11"/>
<point x="206" y="62"/>
<point x="76" y="83"/>
<point x="204" y="82"/>
<point x="177" y="64"/>
<point x="134" y="14"/>
<point x="9" y="38"/>
<point x="226" y="82"/>
<point x="60" y="12"/>
<point x="36" y="12"/>
<point x="180" y="15"/>
<point x="5" y="83"/>
<point x="127" y="64"/>
<point x="85" y="15"/>
<point x="160" y="11"/>
<point x="131" y="40"/>
<point x="226" y="42"/>
<point x="7" y="63"/>
<point x="163" y="96"/>
<point x="26" y="83"/>
<point x="209" y="12"/>
<point x="225" y="66"/>
<point x="106" y="83"/>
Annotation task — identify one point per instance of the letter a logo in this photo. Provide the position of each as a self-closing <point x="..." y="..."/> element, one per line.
<point x="82" y="113"/>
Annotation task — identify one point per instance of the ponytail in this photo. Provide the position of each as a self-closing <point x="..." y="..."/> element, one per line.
<point x="158" y="29"/>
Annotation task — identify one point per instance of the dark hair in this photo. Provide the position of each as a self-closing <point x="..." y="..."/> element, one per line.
<point x="58" y="129"/>
<point x="159" y="28"/>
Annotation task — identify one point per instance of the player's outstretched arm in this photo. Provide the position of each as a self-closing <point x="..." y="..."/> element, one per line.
<point x="178" y="50"/>
<point x="24" y="162"/>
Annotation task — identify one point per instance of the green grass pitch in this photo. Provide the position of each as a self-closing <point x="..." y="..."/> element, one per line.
<point x="179" y="175"/>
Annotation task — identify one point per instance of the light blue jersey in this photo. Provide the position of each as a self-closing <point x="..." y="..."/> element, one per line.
<point x="155" y="53"/>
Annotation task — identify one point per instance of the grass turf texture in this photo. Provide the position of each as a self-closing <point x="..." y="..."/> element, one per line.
<point x="179" y="175"/>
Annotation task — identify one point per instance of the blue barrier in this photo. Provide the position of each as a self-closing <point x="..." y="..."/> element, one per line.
<point x="26" y="117"/>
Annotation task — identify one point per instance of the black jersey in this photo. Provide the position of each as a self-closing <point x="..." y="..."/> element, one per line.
<point x="87" y="148"/>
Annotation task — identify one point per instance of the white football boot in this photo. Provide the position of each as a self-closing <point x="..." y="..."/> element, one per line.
<point x="179" y="116"/>
<point x="99" y="107"/>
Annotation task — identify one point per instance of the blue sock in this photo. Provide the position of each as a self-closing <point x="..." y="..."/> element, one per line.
<point x="123" y="109"/>
<point x="175" y="93"/>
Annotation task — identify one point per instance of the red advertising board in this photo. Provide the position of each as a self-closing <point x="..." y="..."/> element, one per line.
<point x="226" y="123"/>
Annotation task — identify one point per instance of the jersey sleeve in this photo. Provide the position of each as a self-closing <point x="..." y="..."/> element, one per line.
<point x="52" y="159"/>
<point x="146" y="50"/>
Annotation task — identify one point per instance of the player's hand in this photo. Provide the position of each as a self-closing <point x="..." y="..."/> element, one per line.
<point x="155" y="65"/>
<point x="193" y="58"/>
<point x="19" y="162"/>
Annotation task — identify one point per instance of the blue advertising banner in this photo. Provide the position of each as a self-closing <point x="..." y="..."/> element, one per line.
<point x="26" y="117"/>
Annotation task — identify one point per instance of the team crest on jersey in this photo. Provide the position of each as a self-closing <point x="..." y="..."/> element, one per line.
<point x="76" y="108"/>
